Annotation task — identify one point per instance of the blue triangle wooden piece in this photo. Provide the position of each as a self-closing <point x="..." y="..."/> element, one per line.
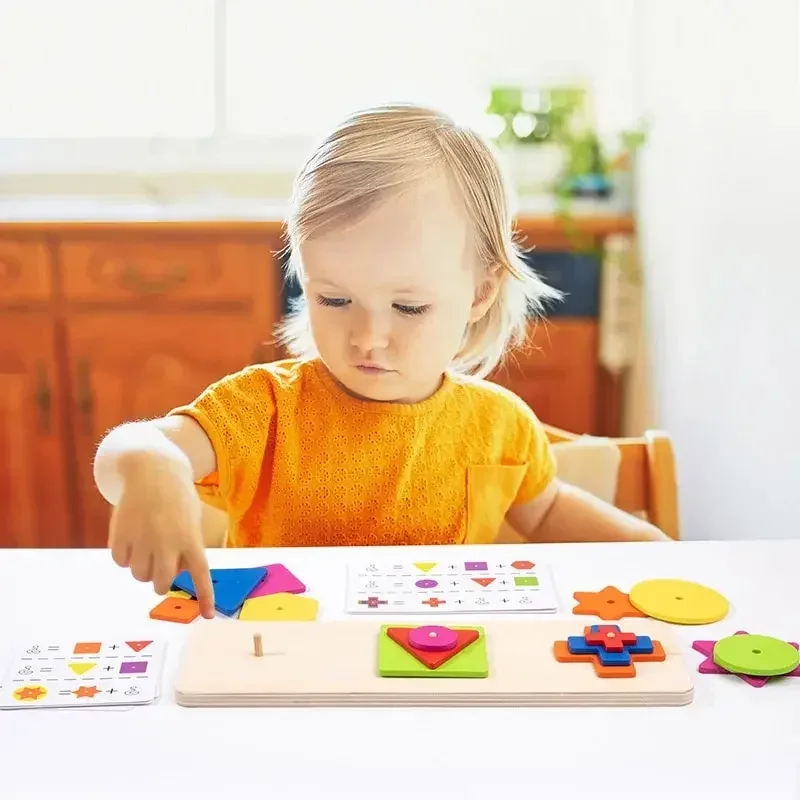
<point x="231" y="586"/>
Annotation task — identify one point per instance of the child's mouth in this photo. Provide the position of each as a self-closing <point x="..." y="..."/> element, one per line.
<point x="372" y="369"/>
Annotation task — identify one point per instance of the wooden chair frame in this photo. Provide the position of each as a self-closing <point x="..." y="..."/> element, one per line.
<point x="647" y="478"/>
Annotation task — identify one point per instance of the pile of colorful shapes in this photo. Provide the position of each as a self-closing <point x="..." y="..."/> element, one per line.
<point x="612" y="651"/>
<point x="754" y="658"/>
<point x="248" y="593"/>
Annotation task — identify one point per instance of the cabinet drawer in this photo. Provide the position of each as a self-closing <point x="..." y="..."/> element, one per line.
<point x="211" y="271"/>
<point x="25" y="271"/>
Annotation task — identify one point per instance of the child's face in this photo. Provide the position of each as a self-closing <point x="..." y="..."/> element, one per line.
<point x="390" y="298"/>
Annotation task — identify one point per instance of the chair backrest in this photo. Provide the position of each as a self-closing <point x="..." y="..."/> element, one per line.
<point x="647" y="480"/>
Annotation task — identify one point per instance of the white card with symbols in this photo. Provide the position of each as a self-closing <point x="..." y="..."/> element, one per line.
<point x="451" y="586"/>
<point x="86" y="673"/>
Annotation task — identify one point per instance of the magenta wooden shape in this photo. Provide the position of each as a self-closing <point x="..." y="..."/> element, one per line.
<point x="433" y="638"/>
<point x="277" y="581"/>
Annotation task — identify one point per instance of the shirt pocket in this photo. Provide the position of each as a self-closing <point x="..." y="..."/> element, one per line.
<point x="491" y="490"/>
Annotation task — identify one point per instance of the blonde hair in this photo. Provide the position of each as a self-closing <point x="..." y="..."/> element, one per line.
<point x="380" y="150"/>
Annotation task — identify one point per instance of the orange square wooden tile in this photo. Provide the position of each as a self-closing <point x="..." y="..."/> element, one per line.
<point x="176" y="609"/>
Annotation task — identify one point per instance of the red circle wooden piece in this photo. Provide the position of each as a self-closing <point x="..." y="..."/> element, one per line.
<point x="433" y="638"/>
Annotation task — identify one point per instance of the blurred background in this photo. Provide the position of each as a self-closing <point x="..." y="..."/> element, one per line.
<point x="147" y="151"/>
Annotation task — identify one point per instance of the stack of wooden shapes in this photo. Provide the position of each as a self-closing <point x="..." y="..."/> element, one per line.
<point x="363" y="663"/>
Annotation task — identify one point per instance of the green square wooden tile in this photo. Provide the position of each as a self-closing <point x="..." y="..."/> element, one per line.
<point x="395" y="662"/>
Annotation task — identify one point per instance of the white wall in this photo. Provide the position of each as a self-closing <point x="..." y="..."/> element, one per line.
<point x="720" y="212"/>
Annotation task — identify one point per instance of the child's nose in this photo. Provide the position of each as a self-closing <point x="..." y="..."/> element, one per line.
<point x="369" y="333"/>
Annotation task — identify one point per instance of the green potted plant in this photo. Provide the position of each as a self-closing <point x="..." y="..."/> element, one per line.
<point x="550" y="145"/>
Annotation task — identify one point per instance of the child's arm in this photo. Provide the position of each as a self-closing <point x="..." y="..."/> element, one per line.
<point x="176" y="444"/>
<point x="146" y="470"/>
<point x="564" y="513"/>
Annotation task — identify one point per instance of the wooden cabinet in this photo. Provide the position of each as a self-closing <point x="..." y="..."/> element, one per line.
<point x="556" y="374"/>
<point x="139" y="366"/>
<point x="34" y="479"/>
<point x="105" y="323"/>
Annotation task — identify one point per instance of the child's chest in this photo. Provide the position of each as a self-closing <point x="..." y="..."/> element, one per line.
<point x="392" y="447"/>
<point x="376" y="485"/>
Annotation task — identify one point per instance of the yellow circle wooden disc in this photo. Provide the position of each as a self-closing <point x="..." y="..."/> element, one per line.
<point x="681" y="602"/>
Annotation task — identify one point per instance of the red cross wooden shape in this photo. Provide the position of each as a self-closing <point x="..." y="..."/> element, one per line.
<point x="610" y="639"/>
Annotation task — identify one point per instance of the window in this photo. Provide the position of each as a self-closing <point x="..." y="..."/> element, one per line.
<point x="205" y="84"/>
<point x="287" y="73"/>
<point x="93" y="68"/>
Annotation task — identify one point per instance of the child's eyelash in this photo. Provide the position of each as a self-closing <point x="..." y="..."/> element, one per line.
<point x="336" y="302"/>
<point x="340" y="302"/>
<point x="411" y="309"/>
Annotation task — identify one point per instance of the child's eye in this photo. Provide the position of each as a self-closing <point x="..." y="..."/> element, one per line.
<point x="336" y="302"/>
<point x="411" y="309"/>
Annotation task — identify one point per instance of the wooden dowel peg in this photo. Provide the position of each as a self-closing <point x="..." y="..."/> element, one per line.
<point x="257" y="645"/>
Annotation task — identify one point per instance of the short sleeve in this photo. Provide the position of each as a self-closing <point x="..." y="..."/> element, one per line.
<point x="237" y="414"/>
<point x="537" y="453"/>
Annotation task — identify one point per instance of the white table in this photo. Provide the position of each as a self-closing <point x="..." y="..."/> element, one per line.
<point x="732" y="741"/>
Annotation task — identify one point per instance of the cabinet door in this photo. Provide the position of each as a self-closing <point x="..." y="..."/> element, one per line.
<point x="556" y="374"/>
<point x="34" y="510"/>
<point x="131" y="366"/>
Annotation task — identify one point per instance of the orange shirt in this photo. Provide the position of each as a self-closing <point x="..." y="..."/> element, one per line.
<point x="302" y="463"/>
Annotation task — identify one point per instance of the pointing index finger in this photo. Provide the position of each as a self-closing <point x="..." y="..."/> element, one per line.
<point x="197" y="565"/>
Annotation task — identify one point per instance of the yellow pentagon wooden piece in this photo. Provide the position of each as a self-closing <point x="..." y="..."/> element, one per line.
<point x="280" y="607"/>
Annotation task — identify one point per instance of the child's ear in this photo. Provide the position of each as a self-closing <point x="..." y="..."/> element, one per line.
<point x="485" y="294"/>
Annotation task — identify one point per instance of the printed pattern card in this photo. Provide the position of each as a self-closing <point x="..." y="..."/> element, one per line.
<point x="82" y="673"/>
<point x="452" y="586"/>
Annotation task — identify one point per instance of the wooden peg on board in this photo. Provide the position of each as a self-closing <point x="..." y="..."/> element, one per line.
<point x="258" y="645"/>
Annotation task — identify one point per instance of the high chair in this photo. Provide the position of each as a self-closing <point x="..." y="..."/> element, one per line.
<point x="646" y="481"/>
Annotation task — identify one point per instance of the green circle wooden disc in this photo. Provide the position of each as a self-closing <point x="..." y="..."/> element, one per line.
<point x="751" y="654"/>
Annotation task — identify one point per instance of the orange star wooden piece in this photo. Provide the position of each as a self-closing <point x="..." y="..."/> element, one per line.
<point x="608" y="604"/>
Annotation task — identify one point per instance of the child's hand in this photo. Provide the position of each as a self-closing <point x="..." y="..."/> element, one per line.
<point x="156" y="530"/>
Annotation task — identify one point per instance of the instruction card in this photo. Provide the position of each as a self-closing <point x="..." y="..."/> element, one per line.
<point x="81" y="673"/>
<point x="451" y="586"/>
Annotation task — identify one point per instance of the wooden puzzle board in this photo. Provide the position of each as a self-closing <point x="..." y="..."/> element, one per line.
<point x="335" y="664"/>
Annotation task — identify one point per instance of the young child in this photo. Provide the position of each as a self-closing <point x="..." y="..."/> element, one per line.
<point x="381" y="429"/>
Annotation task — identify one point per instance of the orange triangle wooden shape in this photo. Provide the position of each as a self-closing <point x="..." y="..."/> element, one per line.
<point x="432" y="658"/>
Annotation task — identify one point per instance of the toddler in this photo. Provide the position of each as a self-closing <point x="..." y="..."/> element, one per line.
<point x="381" y="429"/>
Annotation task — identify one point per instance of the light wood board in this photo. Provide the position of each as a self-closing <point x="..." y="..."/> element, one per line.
<point x="335" y="664"/>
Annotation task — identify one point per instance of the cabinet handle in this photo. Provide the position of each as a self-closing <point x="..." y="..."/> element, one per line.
<point x="44" y="397"/>
<point x="136" y="282"/>
<point x="84" y="395"/>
